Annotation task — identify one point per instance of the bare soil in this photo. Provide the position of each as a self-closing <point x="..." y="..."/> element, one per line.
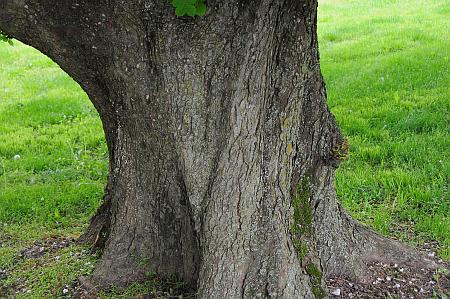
<point x="396" y="281"/>
<point x="387" y="280"/>
<point x="39" y="248"/>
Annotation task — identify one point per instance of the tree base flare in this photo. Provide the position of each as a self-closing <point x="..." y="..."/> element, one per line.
<point x="381" y="280"/>
<point x="322" y="250"/>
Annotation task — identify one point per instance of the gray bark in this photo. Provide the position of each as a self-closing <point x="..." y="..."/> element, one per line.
<point x="212" y="123"/>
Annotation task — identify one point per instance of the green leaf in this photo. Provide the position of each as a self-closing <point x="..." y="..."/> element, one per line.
<point x="201" y="8"/>
<point x="189" y="7"/>
<point x="184" y="7"/>
<point x="185" y="10"/>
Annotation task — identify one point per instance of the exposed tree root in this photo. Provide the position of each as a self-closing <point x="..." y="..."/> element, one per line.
<point x="365" y="247"/>
<point x="346" y="247"/>
<point x="376" y="248"/>
<point x="98" y="230"/>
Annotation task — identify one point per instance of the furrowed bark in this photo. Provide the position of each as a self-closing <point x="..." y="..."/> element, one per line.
<point x="222" y="149"/>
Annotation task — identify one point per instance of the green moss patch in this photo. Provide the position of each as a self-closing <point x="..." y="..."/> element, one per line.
<point x="315" y="280"/>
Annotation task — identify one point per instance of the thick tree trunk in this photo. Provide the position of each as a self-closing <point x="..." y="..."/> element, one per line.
<point x="222" y="148"/>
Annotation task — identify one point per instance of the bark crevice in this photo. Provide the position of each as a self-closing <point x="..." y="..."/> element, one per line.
<point x="99" y="227"/>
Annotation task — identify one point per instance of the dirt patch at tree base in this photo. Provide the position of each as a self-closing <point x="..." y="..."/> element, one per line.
<point x="39" y="248"/>
<point x="394" y="281"/>
<point x="387" y="280"/>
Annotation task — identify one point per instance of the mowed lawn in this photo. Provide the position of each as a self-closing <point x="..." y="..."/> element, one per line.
<point x="386" y="65"/>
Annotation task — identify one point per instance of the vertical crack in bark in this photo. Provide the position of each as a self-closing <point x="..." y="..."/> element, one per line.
<point x="243" y="285"/>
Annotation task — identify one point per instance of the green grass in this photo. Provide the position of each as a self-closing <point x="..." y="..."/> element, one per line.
<point x="49" y="122"/>
<point x="386" y="66"/>
<point x="57" y="182"/>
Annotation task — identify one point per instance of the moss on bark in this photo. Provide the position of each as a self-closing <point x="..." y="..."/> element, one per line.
<point x="302" y="218"/>
<point x="315" y="280"/>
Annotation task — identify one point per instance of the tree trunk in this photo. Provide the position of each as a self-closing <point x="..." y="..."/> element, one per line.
<point x="222" y="149"/>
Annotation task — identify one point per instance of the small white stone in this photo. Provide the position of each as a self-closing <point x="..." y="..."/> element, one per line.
<point x="16" y="157"/>
<point x="65" y="291"/>
<point x="336" y="292"/>
<point x="401" y="269"/>
<point x="397" y="286"/>
<point x="431" y="254"/>
<point x="388" y="278"/>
